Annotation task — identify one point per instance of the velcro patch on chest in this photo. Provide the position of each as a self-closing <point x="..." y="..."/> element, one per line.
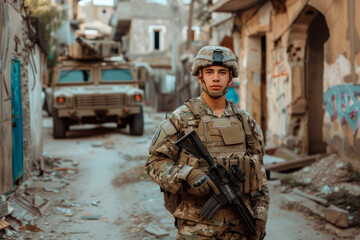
<point x="221" y="123"/>
<point x="232" y="135"/>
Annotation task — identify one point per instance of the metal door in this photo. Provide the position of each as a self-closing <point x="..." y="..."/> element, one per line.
<point x="17" y="124"/>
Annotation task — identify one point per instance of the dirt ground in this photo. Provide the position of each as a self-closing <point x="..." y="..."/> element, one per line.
<point x="111" y="196"/>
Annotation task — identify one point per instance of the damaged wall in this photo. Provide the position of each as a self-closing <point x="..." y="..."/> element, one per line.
<point x="16" y="44"/>
<point x="35" y="69"/>
<point x="5" y="104"/>
<point x="312" y="83"/>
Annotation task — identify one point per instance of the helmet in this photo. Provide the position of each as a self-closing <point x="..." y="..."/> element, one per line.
<point x="215" y="55"/>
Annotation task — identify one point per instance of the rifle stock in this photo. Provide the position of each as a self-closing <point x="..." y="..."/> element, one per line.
<point x="227" y="182"/>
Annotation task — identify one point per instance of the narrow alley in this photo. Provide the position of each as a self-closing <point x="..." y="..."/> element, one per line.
<point x="272" y="88"/>
<point x="106" y="194"/>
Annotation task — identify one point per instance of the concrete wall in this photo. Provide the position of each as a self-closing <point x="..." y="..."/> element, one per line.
<point x="15" y="43"/>
<point x="296" y="100"/>
<point x="15" y="37"/>
<point x="141" y="35"/>
<point x="35" y="69"/>
<point x="145" y="17"/>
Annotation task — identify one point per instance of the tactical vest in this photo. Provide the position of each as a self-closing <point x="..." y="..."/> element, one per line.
<point x="229" y="140"/>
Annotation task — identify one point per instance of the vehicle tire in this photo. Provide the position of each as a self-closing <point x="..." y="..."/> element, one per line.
<point x="137" y="123"/>
<point x="59" y="127"/>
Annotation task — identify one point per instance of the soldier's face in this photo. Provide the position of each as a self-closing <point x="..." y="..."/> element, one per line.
<point x="216" y="78"/>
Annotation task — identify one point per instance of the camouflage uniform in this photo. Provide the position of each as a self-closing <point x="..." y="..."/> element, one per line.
<point x="227" y="142"/>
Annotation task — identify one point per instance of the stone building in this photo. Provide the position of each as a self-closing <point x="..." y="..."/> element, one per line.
<point x="84" y="18"/>
<point x="94" y="17"/>
<point x="22" y="61"/>
<point x="66" y="34"/>
<point x="155" y="31"/>
<point x="299" y="70"/>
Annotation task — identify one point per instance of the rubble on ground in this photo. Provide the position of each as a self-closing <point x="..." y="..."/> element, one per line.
<point x="328" y="189"/>
<point x="22" y="207"/>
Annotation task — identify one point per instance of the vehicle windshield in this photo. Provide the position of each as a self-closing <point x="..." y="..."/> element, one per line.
<point x="75" y="76"/>
<point x="112" y="75"/>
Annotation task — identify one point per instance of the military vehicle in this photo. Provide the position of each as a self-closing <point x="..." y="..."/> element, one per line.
<point x="87" y="87"/>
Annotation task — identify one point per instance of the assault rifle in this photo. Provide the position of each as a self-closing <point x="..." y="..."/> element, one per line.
<point x="226" y="181"/>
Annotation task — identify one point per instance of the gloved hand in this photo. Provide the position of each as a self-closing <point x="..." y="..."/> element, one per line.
<point x="260" y="230"/>
<point x="200" y="184"/>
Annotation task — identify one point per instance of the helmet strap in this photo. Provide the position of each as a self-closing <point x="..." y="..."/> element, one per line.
<point x="212" y="94"/>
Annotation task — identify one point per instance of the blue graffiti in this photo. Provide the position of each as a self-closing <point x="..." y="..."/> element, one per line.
<point x="343" y="102"/>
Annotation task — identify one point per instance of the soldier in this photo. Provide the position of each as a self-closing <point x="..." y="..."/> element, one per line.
<point x="231" y="136"/>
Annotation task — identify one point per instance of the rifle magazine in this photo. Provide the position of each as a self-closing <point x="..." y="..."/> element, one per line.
<point x="214" y="203"/>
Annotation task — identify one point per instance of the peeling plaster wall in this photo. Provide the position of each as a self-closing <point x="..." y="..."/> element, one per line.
<point x="279" y="95"/>
<point x="19" y="47"/>
<point x="221" y="29"/>
<point x="15" y="31"/>
<point x="35" y="69"/>
<point x="286" y="44"/>
<point x="342" y="79"/>
<point x="342" y="123"/>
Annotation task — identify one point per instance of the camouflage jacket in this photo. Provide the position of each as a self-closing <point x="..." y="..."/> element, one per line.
<point x="164" y="167"/>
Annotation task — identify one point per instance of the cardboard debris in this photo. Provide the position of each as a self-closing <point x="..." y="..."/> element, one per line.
<point x="3" y="224"/>
<point x="156" y="231"/>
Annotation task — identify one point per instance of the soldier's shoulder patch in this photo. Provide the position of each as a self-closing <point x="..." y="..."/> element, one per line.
<point x="165" y="129"/>
<point x="156" y="136"/>
<point x="184" y="114"/>
<point x="168" y="127"/>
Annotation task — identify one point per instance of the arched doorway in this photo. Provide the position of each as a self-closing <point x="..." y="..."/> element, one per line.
<point x="318" y="33"/>
<point x="305" y="52"/>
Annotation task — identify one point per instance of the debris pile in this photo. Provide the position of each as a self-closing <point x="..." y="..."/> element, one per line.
<point x="328" y="189"/>
<point x="330" y="170"/>
<point x="23" y="206"/>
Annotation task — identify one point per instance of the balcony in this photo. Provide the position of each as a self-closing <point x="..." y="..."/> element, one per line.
<point x="232" y="5"/>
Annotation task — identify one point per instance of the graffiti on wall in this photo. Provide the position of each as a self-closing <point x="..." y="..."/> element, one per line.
<point x="343" y="102"/>
<point x="278" y="83"/>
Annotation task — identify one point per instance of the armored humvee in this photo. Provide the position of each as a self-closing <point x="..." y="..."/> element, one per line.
<point x="87" y="88"/>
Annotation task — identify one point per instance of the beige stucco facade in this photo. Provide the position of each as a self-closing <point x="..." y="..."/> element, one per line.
<point x="299" y="73"/>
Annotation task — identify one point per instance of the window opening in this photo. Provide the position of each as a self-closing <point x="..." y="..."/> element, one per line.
<point x="157" y="39"/>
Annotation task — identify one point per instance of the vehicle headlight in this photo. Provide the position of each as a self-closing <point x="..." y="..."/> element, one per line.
<point x="61" y="101"/>
<point x="137" y="98"/>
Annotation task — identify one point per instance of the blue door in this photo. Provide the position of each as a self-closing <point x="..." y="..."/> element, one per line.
<point x="17" y="124"/>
